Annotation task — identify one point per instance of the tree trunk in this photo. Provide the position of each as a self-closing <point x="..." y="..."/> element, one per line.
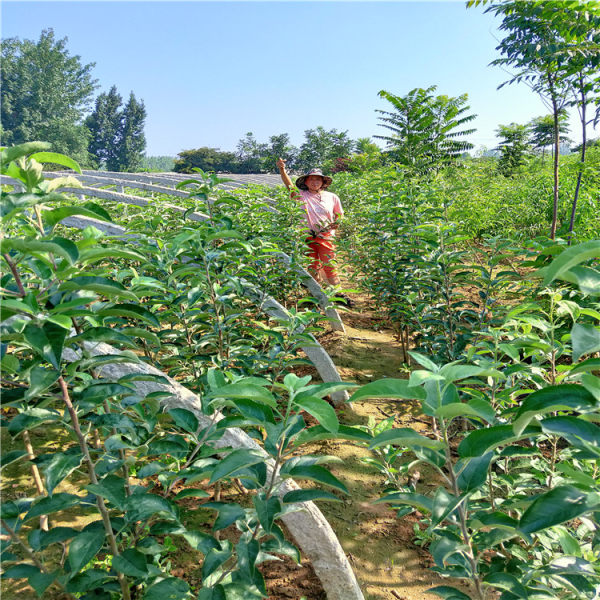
<point x="556" y="149"/>
<point x="583" y="142"/>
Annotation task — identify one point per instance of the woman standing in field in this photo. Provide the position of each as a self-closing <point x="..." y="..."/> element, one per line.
<point x="323" y="212"/>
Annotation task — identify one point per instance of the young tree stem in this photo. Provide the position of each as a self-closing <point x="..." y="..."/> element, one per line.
<point x="92" y="473"/>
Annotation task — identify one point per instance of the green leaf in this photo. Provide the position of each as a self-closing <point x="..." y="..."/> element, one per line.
<point x="20" y="571"/>
<point x="103" y="334"/>
<point x="192" y="492"/>
<point x="40" y="379"/>
<point x="592" y="384"/>
<point x="320" y="410"/>
<point x="480" y="441"/>
<point x="424" y="361"/>
<point x="99" y="285"/>
<point x="448" y="593"/>
<point x="267" y="510"/>
<point x="556" y="397"/>
<point x="444" y="504"/>
<point x="585" y="340"/>
<point x="38" y="580"/>
<point x="185" y="419"/>
<point x="31" y="418"/>
<point x="404" y="436"/>
<point x="112" y="487"/>
<point x="308" y="496"/>
<point x="47" y="341"/>
<point x="315" y="473"/>
<point x="228" y="514"/>
<point x="58" y="246"/>
<point x="556" y="506"/>
<point x="573" y="429"/>
<point x="11" y="306"/>
<point x="12" y="457"/>
<point x="84" y="547"/>
<point x="141" y="507"/>
<point x="452" y="372"/>
<point x="318" y="432"/>
<point x="100" y="391"/>
<point x="586" y="278"/>
<point x="9" y="154"/>
<point x="61" y="465"/>
<point x="473" y="472"/>
<point x="571" y="257"/>
<point x="212" y="593"/>
<point x="132" y="311"/>
<point x="323" y="389"/>
<point x="201" y="541"/>
<point x="51" y="504"/>
<point x="388" y="388"/>
<point x="170" y="588"/>
<point x="58" y="159"/>
<point x="131" y="562"/>
<point x="588" y="365"/>
<point x="234" y="462"/>
<point x="87" y="580"/>
<point x="246" y="390"/>
<point x="475" y="408"/>
<point x="43" y="539"/>
<point x="423" y="503"/>
<point x="52" y="217"/>
<point x="214" y="559"/>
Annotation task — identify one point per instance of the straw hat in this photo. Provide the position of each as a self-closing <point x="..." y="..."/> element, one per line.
<point x="326" y="180"/>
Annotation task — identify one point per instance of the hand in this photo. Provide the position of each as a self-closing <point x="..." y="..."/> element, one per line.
<point x="281" y="164"/>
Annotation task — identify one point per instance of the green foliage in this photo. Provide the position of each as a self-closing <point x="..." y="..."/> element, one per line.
<point x="514" y="147"/>
<point x="157" y="163"/>
<point x="117" y="140"/>
<point x="45" y="93"/>
<point x="541" y="131"/>
<point x="425" y="129"/>
<point x="322" y="147"/>
<point x="184" y="298"/>
<point x="205" y="159"/>
<point x="515" y="512"/>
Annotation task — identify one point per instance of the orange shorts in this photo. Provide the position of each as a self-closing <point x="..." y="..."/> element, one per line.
<point x="322" y="251"/>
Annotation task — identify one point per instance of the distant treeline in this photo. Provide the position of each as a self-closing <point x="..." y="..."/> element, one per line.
<point x="321" y="147"/>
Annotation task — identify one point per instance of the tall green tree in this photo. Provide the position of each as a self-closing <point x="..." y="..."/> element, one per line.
<point x="279" y="146"/>
<point x="541" y="131"/>
<point x="580" y="30"/>
<point x="104" y="124"/>
<point x="45" y="93"/>
<point x="529" y="48"/>
<point x="251" y="154"/>
<point x="427" y="131"/>
<point x="322" y="147"/>
<point x="117" y="140"/>
<point x="513" y="147"/>
<point x="132" y="141"/>
<point x="207" y="159"/>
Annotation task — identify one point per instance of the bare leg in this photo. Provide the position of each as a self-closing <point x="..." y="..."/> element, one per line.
<point x="318" y="275"/>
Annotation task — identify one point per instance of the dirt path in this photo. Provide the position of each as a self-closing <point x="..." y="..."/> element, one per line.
<point x="387" y="563"/>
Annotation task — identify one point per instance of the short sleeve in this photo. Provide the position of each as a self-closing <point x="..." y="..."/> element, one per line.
<point x="337" y="206"/>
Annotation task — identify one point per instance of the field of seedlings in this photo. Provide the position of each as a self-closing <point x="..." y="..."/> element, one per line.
<point x="187" y="413"/>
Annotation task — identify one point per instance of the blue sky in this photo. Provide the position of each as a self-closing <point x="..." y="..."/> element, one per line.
<point x="209" y="72"/>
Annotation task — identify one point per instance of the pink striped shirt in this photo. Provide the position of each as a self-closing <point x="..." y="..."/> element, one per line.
<point x="321" y="210"/>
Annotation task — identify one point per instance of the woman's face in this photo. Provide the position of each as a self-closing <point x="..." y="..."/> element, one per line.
<point x="314" y="183"/>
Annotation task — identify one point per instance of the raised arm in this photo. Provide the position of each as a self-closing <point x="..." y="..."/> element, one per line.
<point x="284" y="176"/>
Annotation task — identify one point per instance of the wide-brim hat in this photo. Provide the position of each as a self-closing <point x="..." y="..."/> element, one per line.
<point x="326" y="180"/>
